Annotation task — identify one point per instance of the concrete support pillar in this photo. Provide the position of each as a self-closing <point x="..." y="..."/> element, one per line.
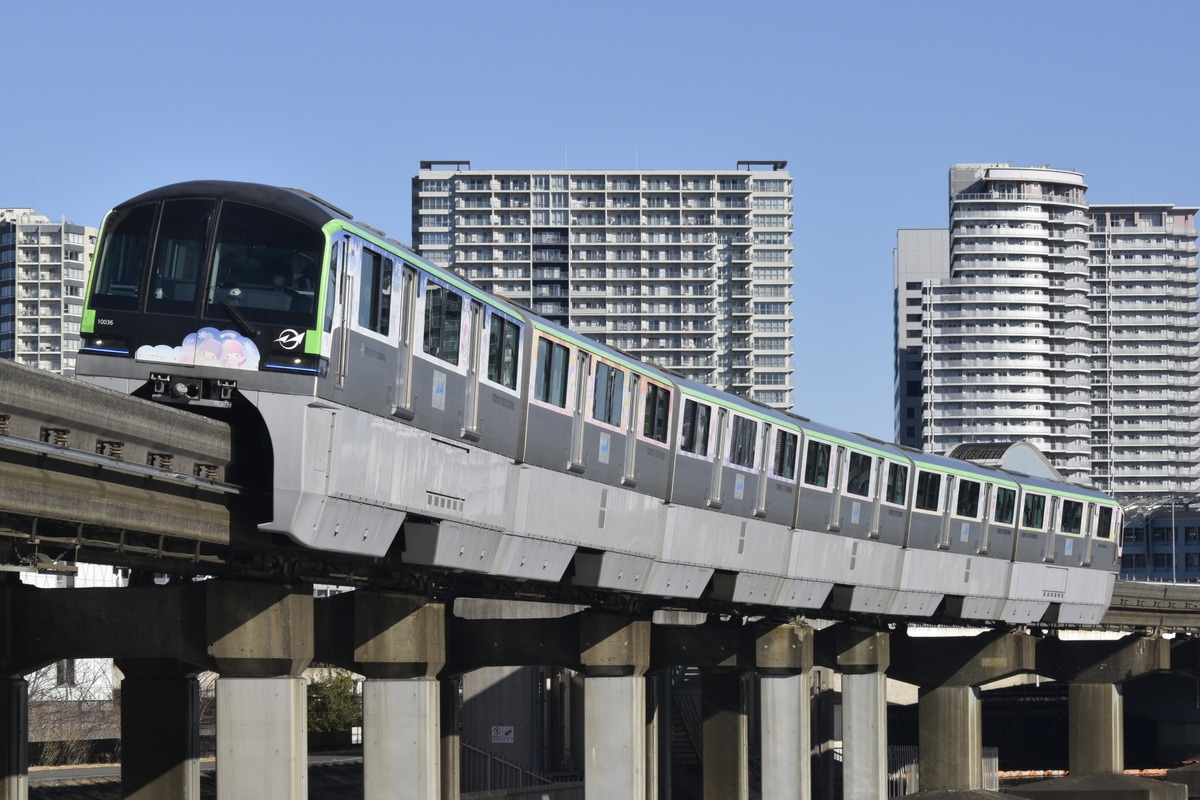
<point x="657" y="720"/>
<point x="262" y="738"/>
<point x="950" y="671"/>
<point x="863" y="658"/>
<point x="783" y="657"/>
<point x="160" y="732"/>
<point x="614" y="738"/>
<point x="261" y="641"/>
<point x="398" y="642"/>
<point x="451" y="754"/>
<point x="864" y="735"/>
<point x="401" y="739"/>
<point x="14" y="738"/>
<point x="784" y="711"/>
<point x="1094" y="670"/>
<point x="726" y="736"/>
<point x="951" y="737"/>
<point x="614" y="654"/>
<point x="1096" y="729"/>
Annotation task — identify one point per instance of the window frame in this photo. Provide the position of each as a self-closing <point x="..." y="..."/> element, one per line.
<point x="619" y="396"/>
<point x="785" y="441"/>
<point x="809" y="470"/>
<point x="742" y="449"/>
<point x="656" y="401"/>
<point x="543" y="377"/>
<point x="960" y="486"/>
<point x="853" y="470"/>
<point x="890" y="483"/>
<point x="921" y="491"/>
<point x="687" y="429"/>
<point x="433" y="283"/>
<point x="506" y="325"/>
<point x="1025" y="510"/>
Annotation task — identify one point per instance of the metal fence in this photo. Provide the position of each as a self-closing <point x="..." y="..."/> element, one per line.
<point x="904" y="770"/>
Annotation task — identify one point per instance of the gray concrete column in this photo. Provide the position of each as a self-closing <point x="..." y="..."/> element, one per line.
<point x="14" y="738"/>
<point x="950" y="671"/>
<point x="784" y="711"/>
<point x="261" y="640"/>
<point x="950" y="723"/>
<point x="401" y="739"/>
<point x="614" y="653"/>
<point x="614" y="738"/>
<point x="398" y="642"/>
<point x="451" y="755"/>
<point x="262" y="738"/>
<point x="783" y="657"/>
<point x="656" y="721"/>
<point x="863" y="658"/>
<point x="1096" y="729"/>
<point x="160" y="732"/>
<point x="864" y="736"/>
<point x="726" y="736"/>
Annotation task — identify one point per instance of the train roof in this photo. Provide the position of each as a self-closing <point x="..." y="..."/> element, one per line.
<point x="296" y="203"/>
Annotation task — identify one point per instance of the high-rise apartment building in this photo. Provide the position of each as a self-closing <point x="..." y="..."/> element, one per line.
<point x="687" y="270"/>
<point x="1146" y="375"/>
<point x="1038" y="317"/>
<point x="43" y="272"/>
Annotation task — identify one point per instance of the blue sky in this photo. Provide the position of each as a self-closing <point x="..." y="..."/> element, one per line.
<point x="870" y="103"/>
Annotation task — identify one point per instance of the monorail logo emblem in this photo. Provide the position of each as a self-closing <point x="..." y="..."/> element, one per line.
<point x="290" y="339"/>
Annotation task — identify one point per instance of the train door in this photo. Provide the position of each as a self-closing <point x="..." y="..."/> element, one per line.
<point x="368" y="348"/>
<point x="985" y="537"/>
<point x="636" y="402"/>
<point x="718" y="463"/>
<point x="470" y="422"/>
<point x="760" y="500"/>
<point x="575" y="461"/>
<point x="402" y="402"/>
<point x="835" y="499"/>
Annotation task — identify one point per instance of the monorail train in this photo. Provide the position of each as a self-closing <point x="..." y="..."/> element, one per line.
<point x="405" y="411"/>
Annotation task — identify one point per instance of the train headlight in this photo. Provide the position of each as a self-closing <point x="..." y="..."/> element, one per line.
<point x="104" y="345"/>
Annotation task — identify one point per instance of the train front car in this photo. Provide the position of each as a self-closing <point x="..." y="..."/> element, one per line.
<point x="216" y="295"/>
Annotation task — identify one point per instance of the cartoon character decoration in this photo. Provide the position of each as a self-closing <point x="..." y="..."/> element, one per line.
<point x="207" y="347"/>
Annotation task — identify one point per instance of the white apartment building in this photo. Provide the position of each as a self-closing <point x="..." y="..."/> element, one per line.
<point x="1146" y="375"/>
<point x="43" y="273"/>
<point x="687" y="270"/>
<point x="1037" y="317"/>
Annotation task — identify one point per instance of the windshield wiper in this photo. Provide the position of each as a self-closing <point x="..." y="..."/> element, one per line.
<point x="236" y="315"/>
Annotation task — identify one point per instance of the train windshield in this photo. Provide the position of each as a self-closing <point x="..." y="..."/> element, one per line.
<point x="260" y="266"/>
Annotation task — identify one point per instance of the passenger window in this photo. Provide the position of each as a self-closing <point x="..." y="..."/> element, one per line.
<point x="694" y="436"/>
<point x="1072" y="517"/>
<point x="179" y="254"/>
<point x="785" y="455"/>
<point x="968" y="499"/>
<point x="929" y="490"/>
<point x="1034" y="514"/>
<point x="609" y="394"/>
<point x="443" y="322"/>
<point x="1006" y="506"/>
<point x="1104" y="521"/>
<point x="816" y="464"/>
<point x="121" y="262"/>
<point x="504" y="337"/>
<point x="375" y="292"/>
<point x="658" y="410"/>
<point x="742" y="441"/>
<point x="897" y="484"/>
<point x="550" y="384"/>
<point x="858" y="474"/>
